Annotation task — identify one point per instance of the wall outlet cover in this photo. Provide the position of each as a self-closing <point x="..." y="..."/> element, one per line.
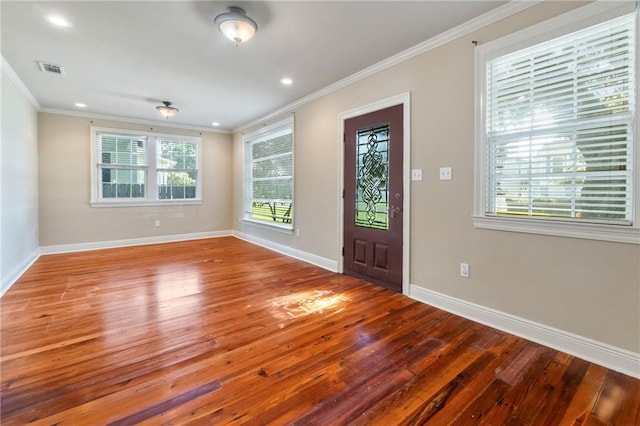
<point x="446" y="173"/>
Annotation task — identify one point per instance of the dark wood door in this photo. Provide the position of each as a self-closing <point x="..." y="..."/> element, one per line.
<point x="373" y="195"/>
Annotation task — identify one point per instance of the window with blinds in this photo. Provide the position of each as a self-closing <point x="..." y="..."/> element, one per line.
<point x="122" y="166"/>
<point x="559" y="127"/>
<point x="269" y="175"/>
<point x="141" y="168"/>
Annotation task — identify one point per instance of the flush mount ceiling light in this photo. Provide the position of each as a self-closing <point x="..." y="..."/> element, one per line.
<point x="167" y="110"/>
<point x="236" y="25"/>
<point x="59" y="21"/>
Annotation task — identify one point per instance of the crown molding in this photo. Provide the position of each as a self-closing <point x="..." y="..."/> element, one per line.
<point x="468" y="27"/>
<point x="122" y="119"/>
<point x="17" y="81"/>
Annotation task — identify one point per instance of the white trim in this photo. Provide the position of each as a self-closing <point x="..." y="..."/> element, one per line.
<point x="461" y="30"/>
<point x="589" y="231"/>
<point x="13" y="276"/>
<point x="574" y="20"/>
<point x="282" y="127"/>
<point x="17" y="81"/>
<point x="150" y="203"/>
<point x="282" y="228"/>
<point x="99" y="245"/>
<point x="405" y="100"/>
<point x="154" y="124"/>
<point x="322" y="262"/>
<point x="609" y="356"/>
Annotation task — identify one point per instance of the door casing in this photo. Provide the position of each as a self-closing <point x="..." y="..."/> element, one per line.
<point x="404" y="99"/>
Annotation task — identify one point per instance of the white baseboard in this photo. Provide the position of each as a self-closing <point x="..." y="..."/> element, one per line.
<point x="12" y="277"/>
<point x="68" y="248"/>
<point x="322" y="262"/>
<point x="612" y="357"/>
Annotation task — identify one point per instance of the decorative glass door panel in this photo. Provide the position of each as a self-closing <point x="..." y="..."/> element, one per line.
<point x="372" y="175"/>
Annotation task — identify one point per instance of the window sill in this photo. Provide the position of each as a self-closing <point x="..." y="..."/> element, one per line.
<point x="590" y="231"/>
<point x="284" y="228"/>
<point x="145" y="203"/>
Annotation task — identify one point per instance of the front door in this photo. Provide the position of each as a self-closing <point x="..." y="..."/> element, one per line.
<point x="373" y="194"/>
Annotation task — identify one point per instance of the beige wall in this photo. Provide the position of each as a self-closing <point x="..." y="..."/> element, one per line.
<point x="66" y="216"/>
<point x="586" y="287"/>
<point x="19" y="180"/>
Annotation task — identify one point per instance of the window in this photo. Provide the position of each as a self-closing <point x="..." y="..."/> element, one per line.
<point x="140" y="168"/>
<point x="556" y="133"/>
<point x="269" y="175"/>
<point x="122" y="166"/>
<point x="177" y="166"/>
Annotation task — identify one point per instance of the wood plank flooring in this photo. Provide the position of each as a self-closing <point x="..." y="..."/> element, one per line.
<point x="220" y="331"/>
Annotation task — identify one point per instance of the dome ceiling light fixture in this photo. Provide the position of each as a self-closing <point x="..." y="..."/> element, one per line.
<point x="167" y="110"/>
<point x="236" y="25"/>
<point x="59" y="21"/>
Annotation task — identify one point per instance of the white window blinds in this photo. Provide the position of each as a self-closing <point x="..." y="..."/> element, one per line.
<point x="269" y="174"/>
<point x="122" y="166"/>
<point x="559" y="127"/>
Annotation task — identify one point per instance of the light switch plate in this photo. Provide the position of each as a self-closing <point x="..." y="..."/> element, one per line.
<point x="464" y="270"/>
<point x="445" y="173"/>
<point x="416" y="174"/>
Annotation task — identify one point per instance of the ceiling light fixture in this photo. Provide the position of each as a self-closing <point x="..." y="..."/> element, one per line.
<point x="215" y="124"/>
<point x="167" y="110"/>
<point x="59" y="21"/>
<point x="286" y="81"/>
<point x="80" y="105"/>
<point x="236" y="25"/>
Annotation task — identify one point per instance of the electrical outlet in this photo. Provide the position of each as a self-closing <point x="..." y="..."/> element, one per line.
<point x="464" y="270"/>
<point x="157" y="223"/>
<point x="416" y="174"/>
<point x="446" y="173"/>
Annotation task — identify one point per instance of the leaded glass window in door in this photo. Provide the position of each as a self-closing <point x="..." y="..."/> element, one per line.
<point x="372" y="178"/>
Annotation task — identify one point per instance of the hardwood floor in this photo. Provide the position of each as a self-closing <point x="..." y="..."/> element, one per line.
<point x="220" y="331"/>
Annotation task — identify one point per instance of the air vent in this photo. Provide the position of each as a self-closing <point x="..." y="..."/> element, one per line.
<point x="51" y="68"/>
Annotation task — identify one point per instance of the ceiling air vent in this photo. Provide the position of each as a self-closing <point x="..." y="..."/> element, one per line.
<point x="51" y="68"/>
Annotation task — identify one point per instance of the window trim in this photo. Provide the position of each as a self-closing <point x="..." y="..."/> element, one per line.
<point x="275" y="128"/>
<point x="561" y="25"/>
<point x="151" y="170"/>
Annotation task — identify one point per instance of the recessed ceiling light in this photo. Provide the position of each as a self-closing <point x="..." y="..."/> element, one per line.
<point x="59" y="21"/>
<point x="286" y="81"/>
<point x="215" y="123"/>
<point x="80" y="105"/>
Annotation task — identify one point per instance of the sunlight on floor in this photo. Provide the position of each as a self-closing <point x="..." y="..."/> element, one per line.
<point x="608" y="402"/>
<point x="306" y="303"/>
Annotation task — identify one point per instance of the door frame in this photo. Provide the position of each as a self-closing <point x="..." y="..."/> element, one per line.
<point x="405" y="100"/>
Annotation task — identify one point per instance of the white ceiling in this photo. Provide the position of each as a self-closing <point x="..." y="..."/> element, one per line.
<point x="122" y="58"/>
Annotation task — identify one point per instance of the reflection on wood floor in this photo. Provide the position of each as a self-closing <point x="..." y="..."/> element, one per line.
<point x="220" y="331"/>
